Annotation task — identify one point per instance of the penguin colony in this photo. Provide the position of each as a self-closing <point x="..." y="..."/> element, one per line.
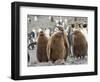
<point x="57" y="46"/>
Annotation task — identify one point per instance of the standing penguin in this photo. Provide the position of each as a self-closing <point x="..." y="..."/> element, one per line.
<point x="79" y="44"/>
<point x="41" y="47"/>
<point x="56" y="47"/>
<point x="66" y="42"/>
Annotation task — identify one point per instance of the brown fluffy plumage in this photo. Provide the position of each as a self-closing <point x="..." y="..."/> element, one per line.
<point x="56" y="47"/>
<point x="79" y="44"/>
<point x="66" y="42"/>
<point x="41" y="47"/>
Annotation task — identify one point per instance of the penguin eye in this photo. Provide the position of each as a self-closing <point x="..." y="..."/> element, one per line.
<point x="84" y="25"/>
